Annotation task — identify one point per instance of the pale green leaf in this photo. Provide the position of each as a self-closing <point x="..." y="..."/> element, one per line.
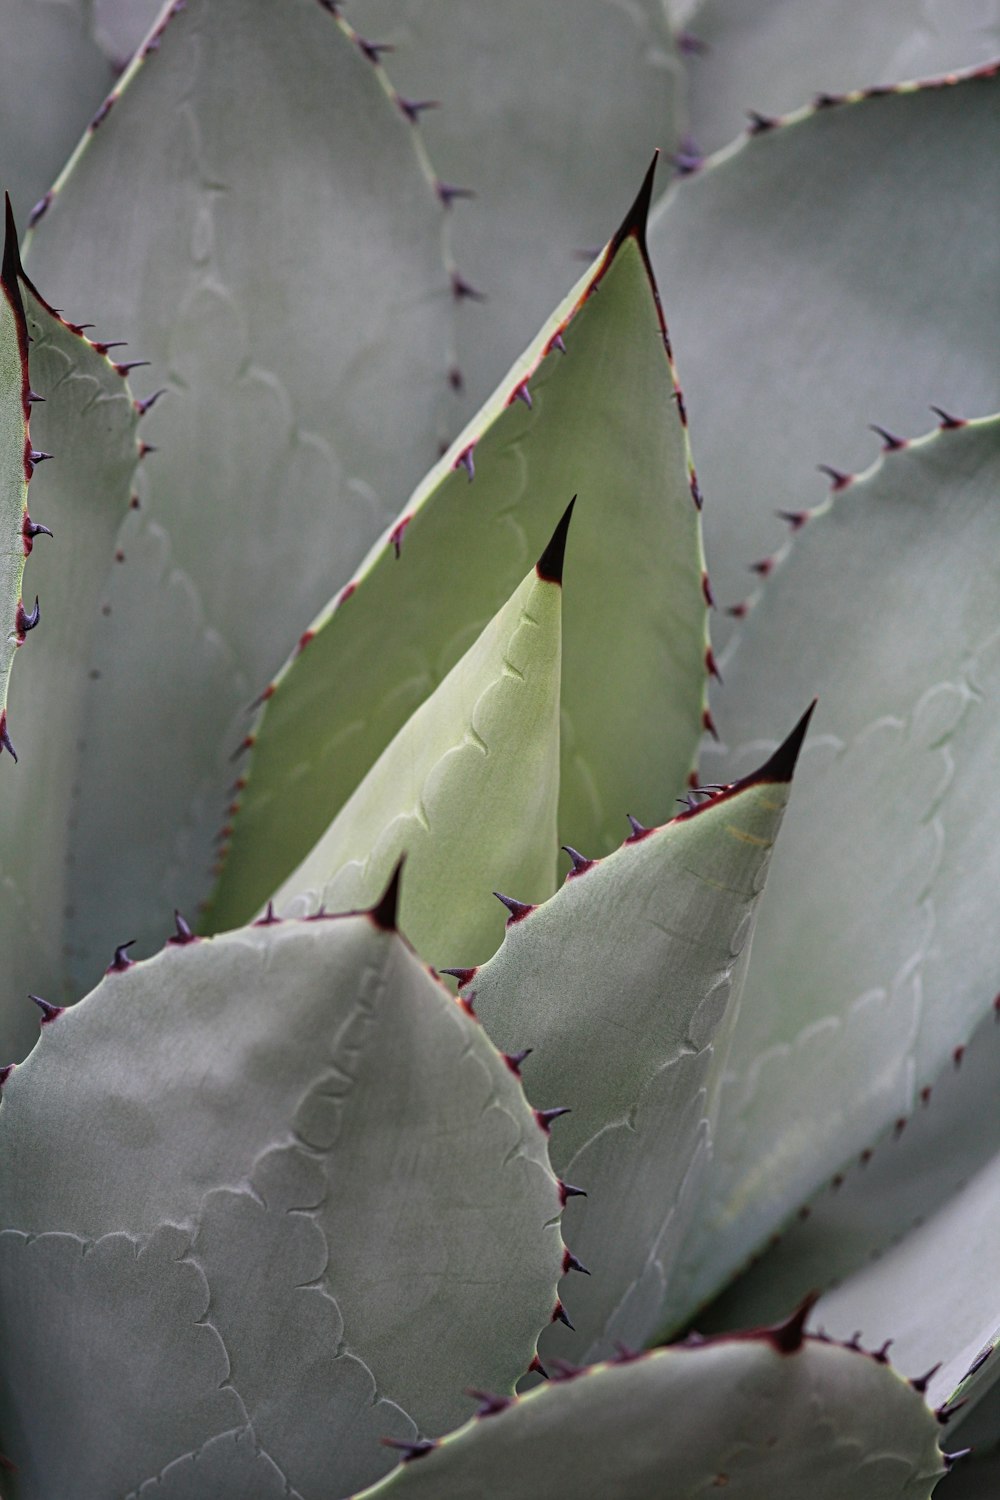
<point x="342" y="1159"/>
<point x="88" y="421"/>
<point x="626" y="986"/>
<point x="864" y="979"/>
<point x="835" y="271"/>
<point x="602" y="423"/>
<point x="934" y="1295"/>
<point x="545" y="111"/>
<point x="774" y="55"/>
<point x="254" y="217"/>
<point x="53" y="77"/>
<point x="872" y="1202"/>
<point x="746" y="1418"/>
<point x="468" y="791"/>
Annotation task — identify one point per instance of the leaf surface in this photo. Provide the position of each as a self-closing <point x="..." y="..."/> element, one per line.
<point x="88" y="421"/>
<point x="834" y="271"/>
<point x="741" y="1417"/>
<point x="543" y="122"/>
<point x="864" y="980"/>
<point x="281" y="269"/>
<point x="334" y="1151"/>
<point x="626" y="986"/>
<point x="774" y="55"/>
<point x="468" y="790"/>
<point x="602" y="422"/>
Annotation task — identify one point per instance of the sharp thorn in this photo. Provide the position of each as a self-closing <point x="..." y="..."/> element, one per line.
<point x="26" y="622"/>
<point x="467" y="462"/>
<point x="580" y="862"/>
<point x="921" y="1383"/>
<point x="489" y="1402"/>
<point x="560" y="1315"/>
<point x="567" y="1190"/>
<point x="570" y="1263"/>
<point x="545" y="1117"/>
<point x="121" y="960"/>
<point x="517" y="909"/>
<point x="410" y="1450"/>
<point x="182" y="932"/>
<point x="49" y="1012"/>
<point x="890" y="443"/>
<point x="6" y="743"/>
<point x="143" y="406"/>
<point x="462" y="975"/>
<point x="948" y="422"/>
<point x="414" y="108"/>
<point x="639" y="831"/>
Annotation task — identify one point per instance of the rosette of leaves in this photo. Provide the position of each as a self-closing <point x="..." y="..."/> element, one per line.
<point x="282" y="1213"/>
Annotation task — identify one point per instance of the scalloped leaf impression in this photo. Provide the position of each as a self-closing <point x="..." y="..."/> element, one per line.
<point x="626" y="986"/>
<point x="864" y="978"/>
<point x="589" y="409"/>
<point x="767" y="1415"/>
<point x="347" y="1190"/>
<point x="281" y="270"/>
<point x="468" y="790"/>
<point x="86" y="420"/>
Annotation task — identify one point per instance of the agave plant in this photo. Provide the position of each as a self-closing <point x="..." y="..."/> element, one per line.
<point x="352" y="1178"/>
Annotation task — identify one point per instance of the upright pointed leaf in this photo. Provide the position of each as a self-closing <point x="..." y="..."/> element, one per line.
<point x="468" y="790"/>
<point x="88" y="421"/>
<point x="16" y="466"/>
<point x="750" y="1418"/>
<point x="281" y="269"/>
<point x="331" y="1210"/>
<point x="601" y="421"/>
<point x="863" y="984"/>
<point x="643" y="953"/>
<point x="541" y="118"/>
<point x="851" y="251"/>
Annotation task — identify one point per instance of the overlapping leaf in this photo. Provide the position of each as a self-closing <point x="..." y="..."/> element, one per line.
<point x="330" y="1210"/>
<point x="750" y="1418"/>
<point x="252" y="216"/>
<point x="468" y="790"/>
<point x="864" y="979"/>
<point x="598" y="419"/>
<point x="851" y="251"/>
<point x="88" y="421"/>
<point x="626" y="986"/>
<point x="544" y="115"/>
<point x="772" y="56"/>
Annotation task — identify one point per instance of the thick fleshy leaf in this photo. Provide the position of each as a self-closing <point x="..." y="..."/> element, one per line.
<point x="16" y="468"/>
<point x="643" y="952"/>
<point x="87" y="420"/>
<point x="330" y="1147"/>
<point x="597" y="419"/>
<point x="281" y="269"/>
<point x="53" y="76"/>
<point x="772" y="56"/>
<point x="851" y="250"/>
<point x="543" y="115"/>
<point x="864" y="980"/>
<point x="468" y="790"/>
<point x="775" y="1417"/>
<point x="935" y="1296"/>
<point x="895" y="1184"/>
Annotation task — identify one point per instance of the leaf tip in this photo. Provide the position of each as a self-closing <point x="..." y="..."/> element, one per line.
<point x="549" y="566"/>
<point x="781" y="765"/>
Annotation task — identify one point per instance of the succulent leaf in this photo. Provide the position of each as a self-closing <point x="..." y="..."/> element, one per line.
<point x="53" y="78"/>
<point x="15" y="465"/>
<point x="744" y="1416"/>
<point x="361" y="1193"/>
<point x="896" y="1182"/>
<point x="862" y="987"/>
<point x="543" y="145"/>
<point x="88" y="420"/>
<point x="838" y="280"/>
<point x="601" y="422"/>
<point x="468" y="790"/>
<point x="646" y="951"/>
<point x="286" y="374"/>
<point x="772" y="56"/>
<point x="934" y="1294"/>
